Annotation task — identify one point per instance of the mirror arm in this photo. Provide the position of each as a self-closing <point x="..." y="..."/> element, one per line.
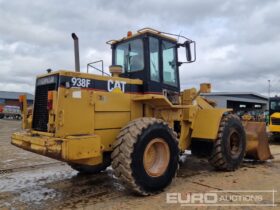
<point x="180" y="45"/>
<point x="179" y="63"/>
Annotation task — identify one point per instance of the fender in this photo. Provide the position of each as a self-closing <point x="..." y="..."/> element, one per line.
<point x="207" y="123"/>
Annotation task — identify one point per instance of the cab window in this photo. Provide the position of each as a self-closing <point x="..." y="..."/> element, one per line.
<point x="130" y="55"/>
<point x="169" y="63"/>
<point x="154" y="59"/>
<point x="275" y="105"/>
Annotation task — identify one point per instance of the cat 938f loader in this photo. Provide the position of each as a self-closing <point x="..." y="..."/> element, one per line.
<point x="138" y="119"/>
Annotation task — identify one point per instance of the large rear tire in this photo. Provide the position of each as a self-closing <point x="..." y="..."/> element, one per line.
<point x="145" y="155"/>
<point x="229" y="149"/>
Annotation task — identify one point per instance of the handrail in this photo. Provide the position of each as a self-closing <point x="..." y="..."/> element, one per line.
<point x="100" y="70"/>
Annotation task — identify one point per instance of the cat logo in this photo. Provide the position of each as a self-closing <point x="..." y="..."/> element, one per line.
<point x="116" y="86"/>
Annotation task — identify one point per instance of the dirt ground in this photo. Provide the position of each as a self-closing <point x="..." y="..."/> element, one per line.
<point x="30" y="181"/>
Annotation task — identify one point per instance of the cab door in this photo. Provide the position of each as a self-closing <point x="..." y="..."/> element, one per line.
<point x="154" y="84"/>
<point x="163" y="66"/>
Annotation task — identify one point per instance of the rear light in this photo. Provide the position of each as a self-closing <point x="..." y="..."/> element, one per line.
<point x="50" y="100"/>
<point x="21" y="99"/>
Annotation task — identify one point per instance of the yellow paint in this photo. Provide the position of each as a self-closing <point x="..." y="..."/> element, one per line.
<point x="70" y="149"/>
<point x="74" y="114"/>
<point x="88" y="147"/>
<point x="25" y="123"/>
<point x="108" y="137"/>
<point x="206" y="123"/>
<point x="247" y="117"/>
<point x="108" y="120"/>
<point x="203" y="104"/>
<point x="275" y="115"/>
<point x="274" y="128"/>
<point x="256" y="140"/>
<point x="185" y="137"/>
<point x="109" y="101"/>
<point x="188" y="96"/>
<point x="205" y="88"/>
<point x="157" y="101"/>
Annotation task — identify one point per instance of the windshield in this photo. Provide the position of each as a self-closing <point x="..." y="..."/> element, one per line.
<point x="130" y="55"/>
<point x="275" y="105"/>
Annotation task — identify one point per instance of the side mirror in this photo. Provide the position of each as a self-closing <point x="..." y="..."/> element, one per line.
<point x="190" y="51"/>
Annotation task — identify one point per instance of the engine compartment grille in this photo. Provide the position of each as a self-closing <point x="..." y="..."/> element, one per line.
<point x="40" y="112"/>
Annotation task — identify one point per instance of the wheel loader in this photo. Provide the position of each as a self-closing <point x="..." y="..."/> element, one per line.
<point x="274" y="117"/>
<point x="138" y="120"/>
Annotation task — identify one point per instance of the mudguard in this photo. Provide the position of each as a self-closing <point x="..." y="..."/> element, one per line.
<point x="206" y="123"/>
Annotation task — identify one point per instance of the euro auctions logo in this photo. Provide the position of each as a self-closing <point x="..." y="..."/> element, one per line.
<point x="192" y="198"/>
<point x="224" y="198"/>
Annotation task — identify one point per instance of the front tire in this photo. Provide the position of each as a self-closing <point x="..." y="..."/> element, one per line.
<point x="145" y="155"/>
<point x="229" y="149"/>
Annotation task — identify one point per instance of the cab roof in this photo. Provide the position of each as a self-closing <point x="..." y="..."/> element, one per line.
<point x="144" y="31"/>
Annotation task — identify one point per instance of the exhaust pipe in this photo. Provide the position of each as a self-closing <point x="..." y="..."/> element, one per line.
<point x="76" y="52"/>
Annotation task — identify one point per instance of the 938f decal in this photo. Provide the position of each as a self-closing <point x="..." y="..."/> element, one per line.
<point x="80" y="82"/>
<point x="110" y="85"/>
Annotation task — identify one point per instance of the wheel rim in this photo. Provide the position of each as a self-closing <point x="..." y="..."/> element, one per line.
<point x="234" y="143"/>
<point x="156" y="157"/>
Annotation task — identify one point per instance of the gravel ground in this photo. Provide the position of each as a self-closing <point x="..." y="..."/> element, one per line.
<point x="30" y="181"/>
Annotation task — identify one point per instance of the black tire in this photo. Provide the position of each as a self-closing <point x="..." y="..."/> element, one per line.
<point x="274" y="137"/>
<point x="128" y="155"/>
<point x="229" y="149"/>
<point x="87" y="169"/>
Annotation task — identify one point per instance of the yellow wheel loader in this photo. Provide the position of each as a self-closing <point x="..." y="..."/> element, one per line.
<point x="138" y="119"/>
<point x="274" y="117"/>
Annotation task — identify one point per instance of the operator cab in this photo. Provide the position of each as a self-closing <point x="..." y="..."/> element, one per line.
<point x="274" y="105"/>
<point x="152" y="56"/>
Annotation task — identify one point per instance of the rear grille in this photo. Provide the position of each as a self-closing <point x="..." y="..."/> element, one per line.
<point x="275" y="121"/>
<point x="40" y="113"/>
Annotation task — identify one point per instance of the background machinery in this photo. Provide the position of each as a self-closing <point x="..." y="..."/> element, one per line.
<point x="10" y="112"/>
<point x="274" y="117"/>
<point x="138" y="120"/>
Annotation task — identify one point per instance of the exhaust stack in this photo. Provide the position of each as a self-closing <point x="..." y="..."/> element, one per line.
<point x="76" y="52"/>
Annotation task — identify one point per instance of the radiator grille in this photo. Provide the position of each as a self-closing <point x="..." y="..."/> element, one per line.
<point x="40" y="113"/>
<point x="275" y="121"/>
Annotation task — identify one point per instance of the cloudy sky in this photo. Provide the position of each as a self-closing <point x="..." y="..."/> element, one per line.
<point x="238" y="42"/>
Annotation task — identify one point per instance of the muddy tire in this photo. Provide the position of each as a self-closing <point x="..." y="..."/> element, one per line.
<point x="229" y="149"/>
<point x="274" y="137"/>
<point x="86" y="169"/>
<point x="145" y="155"/>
